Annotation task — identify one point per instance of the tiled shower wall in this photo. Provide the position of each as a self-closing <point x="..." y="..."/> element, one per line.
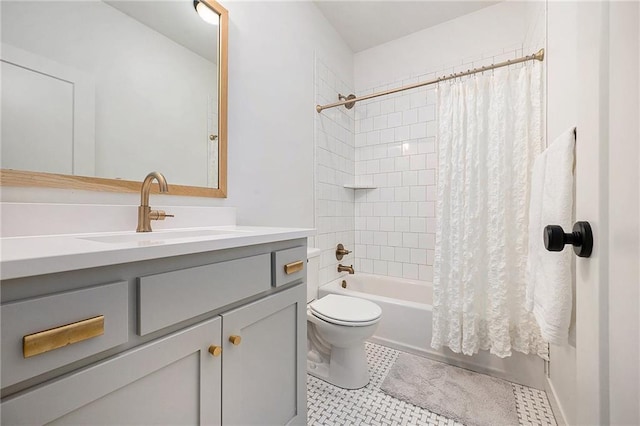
<point x="396" y="152"/>
<point x="335" y="167"/>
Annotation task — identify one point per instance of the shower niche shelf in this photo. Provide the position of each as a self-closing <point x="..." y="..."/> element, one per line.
<point x="354" y="186"/>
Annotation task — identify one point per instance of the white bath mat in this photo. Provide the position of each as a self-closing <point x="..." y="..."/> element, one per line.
<point x="462" y="395"/>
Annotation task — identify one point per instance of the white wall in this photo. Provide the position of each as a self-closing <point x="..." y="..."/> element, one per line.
<point x="271" y="116"/>
<point x="479" y="35"/>
<point x="562" y="87"/>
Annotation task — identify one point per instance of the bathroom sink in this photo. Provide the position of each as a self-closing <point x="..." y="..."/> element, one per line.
<point x="158" y="236"/>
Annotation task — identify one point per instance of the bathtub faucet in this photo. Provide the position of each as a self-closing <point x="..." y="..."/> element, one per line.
<point x="348" y="269"/>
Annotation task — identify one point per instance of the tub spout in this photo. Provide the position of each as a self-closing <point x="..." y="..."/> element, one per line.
<point x="348" y="269"/>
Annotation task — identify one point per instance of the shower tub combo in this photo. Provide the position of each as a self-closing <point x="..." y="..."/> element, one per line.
<point x="406" y="322"/>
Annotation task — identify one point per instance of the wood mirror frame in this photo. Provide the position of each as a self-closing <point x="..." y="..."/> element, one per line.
<point x="21" y="178"/>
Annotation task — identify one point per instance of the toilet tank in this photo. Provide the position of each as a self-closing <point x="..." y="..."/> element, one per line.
<point x="313" y="273"/>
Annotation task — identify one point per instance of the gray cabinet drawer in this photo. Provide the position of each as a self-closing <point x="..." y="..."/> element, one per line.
<point x="84" y="334"/>
<point x="289" y="265"/>
<point x="171" y="297"/>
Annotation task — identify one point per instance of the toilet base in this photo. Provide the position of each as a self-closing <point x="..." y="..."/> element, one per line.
<point x="346" y="368"/>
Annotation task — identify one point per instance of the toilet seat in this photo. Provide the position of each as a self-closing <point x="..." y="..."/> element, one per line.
<point x="346" y="310"/>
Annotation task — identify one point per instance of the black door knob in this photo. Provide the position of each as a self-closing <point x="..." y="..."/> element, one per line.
<point x="581" y="238"/>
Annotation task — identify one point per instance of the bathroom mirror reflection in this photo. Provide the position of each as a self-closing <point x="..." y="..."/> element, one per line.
<point x="107" y="91"/>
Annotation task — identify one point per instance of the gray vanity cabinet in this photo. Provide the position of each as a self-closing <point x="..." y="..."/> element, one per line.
<point x="207" y="338"/>
<point x="261" y="375"/>
<point x="172" y="380"/>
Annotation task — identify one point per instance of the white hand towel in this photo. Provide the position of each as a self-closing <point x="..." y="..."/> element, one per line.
<point x="549" y="293"/>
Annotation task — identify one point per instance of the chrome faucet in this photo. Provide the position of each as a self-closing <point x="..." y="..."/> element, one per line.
<point x="348" y="269"/>
<point x="145" y="214"/>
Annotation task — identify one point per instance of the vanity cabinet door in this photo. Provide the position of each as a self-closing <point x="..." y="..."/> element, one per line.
<point x="173" y="380"/>
<point x="264" y="372"/>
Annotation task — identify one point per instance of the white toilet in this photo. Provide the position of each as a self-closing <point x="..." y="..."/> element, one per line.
<point x="337" y="327"/>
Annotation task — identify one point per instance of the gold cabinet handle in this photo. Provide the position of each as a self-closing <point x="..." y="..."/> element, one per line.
<point x="215" y="350"/>
<point x="290" y="268"/>
<point x="48" y="340"/>
<point x="235" y="339"/>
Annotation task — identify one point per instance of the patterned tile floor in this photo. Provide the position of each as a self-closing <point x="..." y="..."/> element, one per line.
<point x="330" y="405"/>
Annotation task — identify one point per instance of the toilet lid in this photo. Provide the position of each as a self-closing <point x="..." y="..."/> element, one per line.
<point x="345" y="309"/>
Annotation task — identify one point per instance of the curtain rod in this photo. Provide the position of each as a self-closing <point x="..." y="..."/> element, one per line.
<point x="350" y="101"/>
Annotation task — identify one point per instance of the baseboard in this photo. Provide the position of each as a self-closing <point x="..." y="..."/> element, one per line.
<point x="558" y="412"/>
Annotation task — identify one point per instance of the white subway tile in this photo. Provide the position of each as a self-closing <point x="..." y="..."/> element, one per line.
<point x="409" y="178"/>
<point x="366" y="265"/>
<point x="394" y="149"/>
<point x="387" y="135"/>
<point x="418" y="193"/>
<point x="373" y="166"/>
<point x="387" y="253"/>
<point x="409" y="208"/>
<point x="418" y="224"/>
<point x="410" y="271"/>
<point x="410" y="116"/>
<point x="380" y="122"/>
<point x="373" y="195"/>
<point x="380" y="238"/>
<point x="387" y="194"/>
<point x="425" y="273"/>
<point x="431" y="161"/>
<point x="431" y="225"/>
<point x="373" y="252"/>
<point x="373" y="137"/>
<point x="402" y="163"/>
<point x="402" y="133"/>
<point x="419" y="256"/>
<point x="402" y="193"/>
<point x="394" y="269"/>
<point x="395" y="209"/>
<point x="418" y="162"/>
<point x="410" y="147"/>
<point x="395" y="179"/>
<point x="380" y="267"/>
<point x="410" y="239"/>
<point x="366" y="237"/>
<point x="380" y="151"/>
<point x="373" y="223"/>
<point x="380" y="180"/>
<point x="394" y="239"/>
<point x="402" y="103"/>
<point x="419" y="130"/>
<point x="380" y="209"/>
<point x="394" y="119"/>
<point x="430" y="241"/>
<point x="387" y="223"/>
<point x="373" y="109"/>
<point x="403" y="224"/>
<point x="366" y="124"/>
<point x="387" y="165"/>
<point x="387" y="106"/>
<point x="402" y="254"/>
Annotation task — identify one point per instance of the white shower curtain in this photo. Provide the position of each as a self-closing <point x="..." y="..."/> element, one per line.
<point x="489" y="133"/>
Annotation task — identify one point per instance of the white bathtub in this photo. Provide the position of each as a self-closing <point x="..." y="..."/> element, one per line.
<point x="407" y="320"/>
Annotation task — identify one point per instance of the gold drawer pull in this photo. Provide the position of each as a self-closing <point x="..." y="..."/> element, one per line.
<point x="48" y="340"/>
<point x="235" y="339"/>
<point x="290" y="268"/>
<point x="215" y="350"/>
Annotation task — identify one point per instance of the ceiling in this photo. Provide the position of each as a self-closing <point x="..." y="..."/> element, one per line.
<point x="364" y="24"/>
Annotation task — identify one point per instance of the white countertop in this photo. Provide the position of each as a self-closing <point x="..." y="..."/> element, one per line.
<point x="36" y="255"/>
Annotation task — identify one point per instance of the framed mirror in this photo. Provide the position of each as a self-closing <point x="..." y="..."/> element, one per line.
<point x="96" y="94"/>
